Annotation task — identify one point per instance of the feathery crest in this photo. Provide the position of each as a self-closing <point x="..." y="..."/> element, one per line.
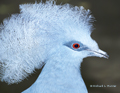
<point x="26" y="38"/>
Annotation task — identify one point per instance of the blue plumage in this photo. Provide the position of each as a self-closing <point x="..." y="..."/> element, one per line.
<point x="45" y="33"/>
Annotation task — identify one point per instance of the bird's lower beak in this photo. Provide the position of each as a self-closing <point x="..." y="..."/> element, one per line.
<point x="99" y="53"/>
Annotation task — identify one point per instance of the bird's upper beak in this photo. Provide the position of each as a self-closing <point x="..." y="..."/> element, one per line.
<point x="99" y="53"/>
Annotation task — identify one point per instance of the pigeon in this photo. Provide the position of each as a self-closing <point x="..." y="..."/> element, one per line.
<point x="57" y="37"/>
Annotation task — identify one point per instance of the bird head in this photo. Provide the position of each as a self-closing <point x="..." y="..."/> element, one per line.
<point x="40" y="32"/>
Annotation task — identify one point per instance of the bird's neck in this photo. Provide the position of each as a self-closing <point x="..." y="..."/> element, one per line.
<point x="59" y="76"/>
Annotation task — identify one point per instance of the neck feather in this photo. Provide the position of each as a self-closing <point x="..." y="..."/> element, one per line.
<point x="59" y="76"/>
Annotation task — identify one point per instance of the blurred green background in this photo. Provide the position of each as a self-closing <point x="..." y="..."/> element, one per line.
<point x="95" y="71"/>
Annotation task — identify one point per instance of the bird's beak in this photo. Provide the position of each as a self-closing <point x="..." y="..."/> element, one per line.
<point x="99" y="53"/>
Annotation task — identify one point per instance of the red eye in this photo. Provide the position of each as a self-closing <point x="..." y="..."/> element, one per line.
<point x="76" y="45"/>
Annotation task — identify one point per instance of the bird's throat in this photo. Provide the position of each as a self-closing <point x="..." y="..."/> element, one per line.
<point x="59" y="76"/>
